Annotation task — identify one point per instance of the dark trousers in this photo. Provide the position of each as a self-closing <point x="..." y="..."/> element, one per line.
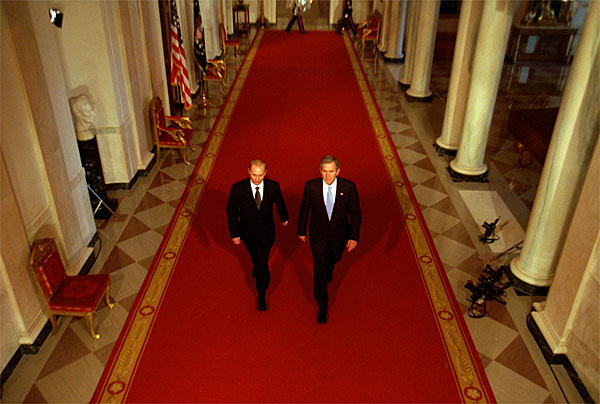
<point x="293" y="20"/>
<point x="348" y="23"/>
<point x="323" y="264"/>
<point x="260" y="261"/>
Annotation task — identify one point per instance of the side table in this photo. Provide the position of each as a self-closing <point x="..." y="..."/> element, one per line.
<point x="241" y="26"/>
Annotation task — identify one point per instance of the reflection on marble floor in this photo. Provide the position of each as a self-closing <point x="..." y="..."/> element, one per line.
<point x="69" y="363"/>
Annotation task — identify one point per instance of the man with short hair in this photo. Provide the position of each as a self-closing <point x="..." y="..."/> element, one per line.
<point x="250" y="220"/>
<point x="334" y="225"/>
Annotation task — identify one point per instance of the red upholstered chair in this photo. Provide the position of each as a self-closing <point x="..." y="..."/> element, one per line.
<point x="67" y="295"/>
<point x="229" y="43"/>
<point x="368" y="32"/>
<point x="216" y="70"/>
<point x="169" y="136"/>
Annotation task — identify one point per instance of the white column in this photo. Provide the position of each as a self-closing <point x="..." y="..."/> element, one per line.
<point x="117" y="134"/>
<point x="385" y="25"/>
<point x="460" y="76"/>
<point x="488" y="61"/>
<point x="211" y="22"/>
<point x="424" y="47"/>
<point x="573" y="139"/>
<point x="395" y="34"/>
<point x="155" y="55"/>
<point x="413" y="8"/>
<point x="569" y="317"/>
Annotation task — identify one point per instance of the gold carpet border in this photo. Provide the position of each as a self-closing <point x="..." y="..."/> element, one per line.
<point x="467" y="374"/>
<point x="117" y="384"/>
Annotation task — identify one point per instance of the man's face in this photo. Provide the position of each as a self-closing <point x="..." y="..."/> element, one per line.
<point x="329" y="172"/>
<point x="257" y="173"/>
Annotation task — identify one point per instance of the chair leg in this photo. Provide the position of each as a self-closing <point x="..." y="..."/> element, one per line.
<point x="184" y="155"/>
<point x="90" y="318"/>
<point x="109" y="301"/>
<point x="53" y="322"/>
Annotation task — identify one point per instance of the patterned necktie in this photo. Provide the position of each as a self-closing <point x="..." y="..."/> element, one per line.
<point x="257" y="197"/>
<point x="329" y="202"/>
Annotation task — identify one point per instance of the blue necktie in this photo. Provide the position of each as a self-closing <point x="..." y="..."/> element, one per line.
<point x="329" y="202"/>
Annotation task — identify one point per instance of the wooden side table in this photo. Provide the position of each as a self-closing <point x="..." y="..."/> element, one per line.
<point x="554" y="43"/>
<point x="241" y="26"/>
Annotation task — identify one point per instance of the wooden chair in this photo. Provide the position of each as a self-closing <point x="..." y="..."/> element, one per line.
<point x="368" y="32"/>
<point x="169" y="136"/>
<point x="229" y="43"/>
<point x="67" y="295"/>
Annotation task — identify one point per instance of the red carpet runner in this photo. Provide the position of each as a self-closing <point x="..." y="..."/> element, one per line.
<point x="395" y="333"/>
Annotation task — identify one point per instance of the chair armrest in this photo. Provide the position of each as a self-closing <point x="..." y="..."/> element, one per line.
<point x="176" y="134"/>
<point x="181" y="121"/>
<point x="217" y="66"/>
<point x="369" y="30"/>
<point x="364" y="23"/>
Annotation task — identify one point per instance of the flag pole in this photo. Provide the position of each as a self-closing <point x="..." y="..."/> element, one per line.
<point x="204" y="101"/>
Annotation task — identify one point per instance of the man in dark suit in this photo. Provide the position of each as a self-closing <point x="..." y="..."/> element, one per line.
<point x="334" y="225"/>
<point x="250" y="220"/>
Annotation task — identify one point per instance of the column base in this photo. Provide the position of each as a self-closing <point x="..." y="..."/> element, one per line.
<point x="442" y="151"/>
<point x="460" y="177"/>
<point x="393" y="60"/>
<point x="557" y="359"/>
<point x="403" y="86"/>
<point x="411" y="98"/>
<point x="525" y="289"/>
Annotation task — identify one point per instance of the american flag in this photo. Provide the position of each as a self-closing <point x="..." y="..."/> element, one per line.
<point x="179" y="72"/>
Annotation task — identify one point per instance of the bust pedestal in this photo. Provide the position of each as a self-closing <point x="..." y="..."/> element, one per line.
<point x="90" y="159"/>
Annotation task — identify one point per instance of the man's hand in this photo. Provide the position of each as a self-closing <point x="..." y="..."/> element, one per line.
<point x="302" y="238"/>
<point x="236" y="240"/>
<point x="284" y="224"/>
<point x="351" y="245"/>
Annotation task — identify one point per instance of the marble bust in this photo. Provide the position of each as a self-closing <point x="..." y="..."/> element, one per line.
<point x="84" y="114"/>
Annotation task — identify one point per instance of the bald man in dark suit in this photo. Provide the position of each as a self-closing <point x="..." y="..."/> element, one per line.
<point x="250" y="220"/>
<point x="334" y="209"/>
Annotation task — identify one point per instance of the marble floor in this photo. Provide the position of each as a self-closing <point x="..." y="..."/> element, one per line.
<point x="69" y="363"/>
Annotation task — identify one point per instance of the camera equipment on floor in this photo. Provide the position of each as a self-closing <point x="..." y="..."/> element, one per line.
<point x="489" y="236"/>
<point x="488" y="288"/>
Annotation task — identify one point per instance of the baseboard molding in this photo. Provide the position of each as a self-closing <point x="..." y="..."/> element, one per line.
<point x="557" y="359"/>
<point x="138" y="174"/>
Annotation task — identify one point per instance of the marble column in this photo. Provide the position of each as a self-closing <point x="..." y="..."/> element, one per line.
<point x="488" y="60"/>
<point x="460" y="77"/>
<point x="573" y="139"/>
<point x="424" y="46"/>
<point x="395" y="35"/>
<point x="413" y="8"/>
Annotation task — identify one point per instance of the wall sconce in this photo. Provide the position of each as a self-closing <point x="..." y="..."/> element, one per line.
<point x="56" y="17"/>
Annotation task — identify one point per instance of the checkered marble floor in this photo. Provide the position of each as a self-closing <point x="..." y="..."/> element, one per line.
<point x="70" y="363"/>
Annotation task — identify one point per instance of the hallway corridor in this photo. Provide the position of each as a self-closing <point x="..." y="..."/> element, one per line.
<point x="69" y="364"/>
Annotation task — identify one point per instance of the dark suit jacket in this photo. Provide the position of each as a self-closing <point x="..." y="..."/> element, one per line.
<point x="246" y="221"/>
<point x="345" y="218"/>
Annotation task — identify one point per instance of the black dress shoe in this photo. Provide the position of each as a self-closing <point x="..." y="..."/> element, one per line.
<point x="322" y="316"/>
<point x="262" y="304"/>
